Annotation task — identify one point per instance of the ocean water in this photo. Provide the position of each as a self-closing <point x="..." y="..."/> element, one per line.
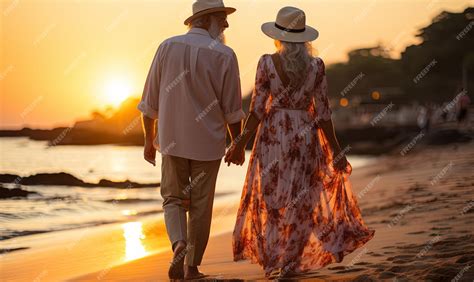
<point x="65" y="207"/>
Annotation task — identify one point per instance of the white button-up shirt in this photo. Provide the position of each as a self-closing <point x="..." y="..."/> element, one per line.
<point x="193" y="89"/>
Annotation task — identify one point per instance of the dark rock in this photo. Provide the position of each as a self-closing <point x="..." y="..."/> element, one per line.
<point x="6" y="193"/>
<point x="66" y="179"/>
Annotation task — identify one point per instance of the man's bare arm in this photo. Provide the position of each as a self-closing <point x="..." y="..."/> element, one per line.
<point x="149" y="130"/>
<point x="235" y="130"/>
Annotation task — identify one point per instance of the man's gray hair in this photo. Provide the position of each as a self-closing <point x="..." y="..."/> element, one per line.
<point x="199" y="21"/>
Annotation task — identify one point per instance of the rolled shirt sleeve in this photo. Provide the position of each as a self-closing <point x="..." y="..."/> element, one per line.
<point x="149" y="103"/>
<point x="231" y="102"/>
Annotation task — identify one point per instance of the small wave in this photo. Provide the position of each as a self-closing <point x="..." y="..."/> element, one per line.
<point x="6" y="251"/>
<point x="68" y="199"/>
<point x="131" y="201"/>
<point x="8" y="234"/>
<point x="4" y="216"/>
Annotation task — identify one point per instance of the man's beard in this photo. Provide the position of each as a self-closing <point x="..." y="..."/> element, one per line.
<point x="216" y="34"/>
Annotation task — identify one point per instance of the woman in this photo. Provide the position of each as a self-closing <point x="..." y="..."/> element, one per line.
<point x="297" y="210"/>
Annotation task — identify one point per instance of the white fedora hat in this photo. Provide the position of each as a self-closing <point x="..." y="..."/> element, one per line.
<point x="202" y="7"/>
<point x="290" y="26"/>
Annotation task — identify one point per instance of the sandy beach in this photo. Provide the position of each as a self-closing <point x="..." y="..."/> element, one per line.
<point x="420" y="204"/>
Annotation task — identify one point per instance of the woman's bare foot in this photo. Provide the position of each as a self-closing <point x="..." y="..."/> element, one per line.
<point x="339" y="256"/>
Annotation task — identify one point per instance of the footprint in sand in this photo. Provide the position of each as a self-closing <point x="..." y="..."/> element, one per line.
<point x="404" y="258"/>
<point x="363" y="263"/>
<point x="441" y="228"/>
<point x="375" y="254"/>
<point x="349" y="270"/>
<point x="416" y="232"/>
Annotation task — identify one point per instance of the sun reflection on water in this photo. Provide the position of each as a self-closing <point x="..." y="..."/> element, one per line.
<point x="133" y="234"/>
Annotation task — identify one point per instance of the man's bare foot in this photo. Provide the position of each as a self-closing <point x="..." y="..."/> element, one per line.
<point x="192" y="272"/>
<point x="176" y="270"/>
<point x="288" y="274"/>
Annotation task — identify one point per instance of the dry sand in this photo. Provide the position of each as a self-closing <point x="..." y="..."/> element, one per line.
<point x="421" y="205"/>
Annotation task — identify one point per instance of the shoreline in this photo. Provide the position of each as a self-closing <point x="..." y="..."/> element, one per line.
<point x="388" y="137"/>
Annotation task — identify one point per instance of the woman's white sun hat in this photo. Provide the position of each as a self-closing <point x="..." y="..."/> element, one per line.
<point x="290" y="26"/>
<point x="203" y="7"/>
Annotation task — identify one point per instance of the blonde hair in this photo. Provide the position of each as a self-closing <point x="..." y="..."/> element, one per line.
<point x="296" y="59"/>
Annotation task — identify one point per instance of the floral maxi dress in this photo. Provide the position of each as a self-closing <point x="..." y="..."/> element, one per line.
<point x="296" y="211"/>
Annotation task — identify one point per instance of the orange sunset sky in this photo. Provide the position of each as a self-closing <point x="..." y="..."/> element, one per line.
<point x="62" y="59"/>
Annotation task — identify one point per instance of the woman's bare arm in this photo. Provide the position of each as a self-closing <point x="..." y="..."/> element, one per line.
<point x="251" y="124"/>
<point x="328" y="129"/>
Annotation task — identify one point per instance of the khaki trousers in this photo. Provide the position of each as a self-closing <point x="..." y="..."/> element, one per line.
<point x="188" y="186"/>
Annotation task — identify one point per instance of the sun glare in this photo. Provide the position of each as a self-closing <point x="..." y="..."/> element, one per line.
<point x="133" y="234"/>
<point x="116" y="91"/>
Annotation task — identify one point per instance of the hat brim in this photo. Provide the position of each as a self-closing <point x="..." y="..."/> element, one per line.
<point x="228" y="11"/>
<point x="309" y="34"/>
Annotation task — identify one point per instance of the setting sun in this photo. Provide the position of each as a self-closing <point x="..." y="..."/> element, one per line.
<point x="116" y="91"/>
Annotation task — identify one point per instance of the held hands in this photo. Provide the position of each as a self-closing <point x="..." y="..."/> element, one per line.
<point x="235" y="154"/>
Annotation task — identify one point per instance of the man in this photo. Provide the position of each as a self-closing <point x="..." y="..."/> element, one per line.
<point x="193" y="91"/>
